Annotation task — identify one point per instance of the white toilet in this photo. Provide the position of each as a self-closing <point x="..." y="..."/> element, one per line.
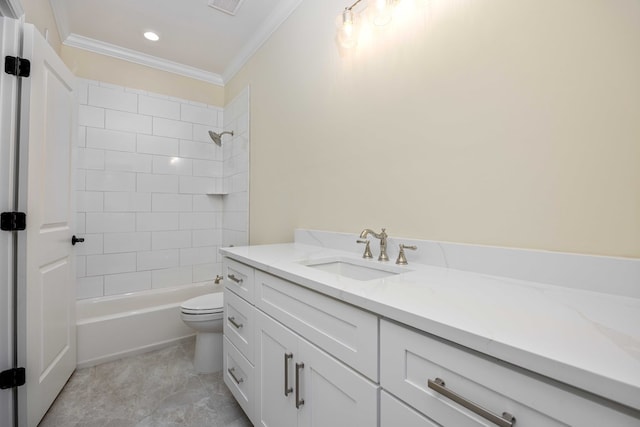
<point x="204" y="314"/>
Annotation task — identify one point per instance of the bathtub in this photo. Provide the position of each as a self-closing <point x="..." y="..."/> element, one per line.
<point x="109" y="328"/>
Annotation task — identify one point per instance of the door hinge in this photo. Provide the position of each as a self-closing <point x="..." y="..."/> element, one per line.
<point x="13" y="221"/>
<point x="17" y="66"/>
<point x="12" y="378"/>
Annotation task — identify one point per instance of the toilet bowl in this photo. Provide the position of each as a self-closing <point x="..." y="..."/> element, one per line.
<point x="204" y="314"/>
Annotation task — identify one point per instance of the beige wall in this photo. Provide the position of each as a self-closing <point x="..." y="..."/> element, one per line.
<point x="39" y="13"/>
<point x="103" y="68"/>
<point x="483" y="121"/>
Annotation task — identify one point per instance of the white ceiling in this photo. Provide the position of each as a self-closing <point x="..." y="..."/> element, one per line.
<point x="195" y="40"/>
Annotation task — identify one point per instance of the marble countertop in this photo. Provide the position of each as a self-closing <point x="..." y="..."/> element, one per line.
<point x="586" y="339"/>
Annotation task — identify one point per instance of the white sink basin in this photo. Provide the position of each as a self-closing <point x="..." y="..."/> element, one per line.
<point x="354" y="269"/>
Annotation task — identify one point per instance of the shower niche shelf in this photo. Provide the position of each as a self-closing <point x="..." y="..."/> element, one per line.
<point x="219" y="187"/>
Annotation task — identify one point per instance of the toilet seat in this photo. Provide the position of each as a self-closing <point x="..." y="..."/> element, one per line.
<point x="203" y="304"/>
<point x="202" y="318"/>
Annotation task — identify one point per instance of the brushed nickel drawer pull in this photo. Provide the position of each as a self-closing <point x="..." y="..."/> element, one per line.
<point x="287" y="389"/>
<point x="299" y="402"/>
<point x="233" y="278"/>
<point x="232" y="320"/>
<point x="506" y="420"/>
<point x="233" y="375"/>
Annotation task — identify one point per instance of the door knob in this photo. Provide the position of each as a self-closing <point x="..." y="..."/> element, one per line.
<point x="75" y="240"/>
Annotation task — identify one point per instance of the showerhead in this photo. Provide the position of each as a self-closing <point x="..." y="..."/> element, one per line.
<point x="217" y="137"/>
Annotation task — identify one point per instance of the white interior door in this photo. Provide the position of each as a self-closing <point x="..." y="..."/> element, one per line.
<point x="8" y="86"/>
<point x="47" y="135"/>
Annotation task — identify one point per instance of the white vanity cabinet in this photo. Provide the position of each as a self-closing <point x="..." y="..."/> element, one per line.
<point x="294" y="357"/>
<point x="300" y="385"/>
<point x="458" y="387"/>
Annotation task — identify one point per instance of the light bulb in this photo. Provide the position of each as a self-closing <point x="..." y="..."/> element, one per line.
<point x="382" y="13"/>
<point x="347" y="36"/>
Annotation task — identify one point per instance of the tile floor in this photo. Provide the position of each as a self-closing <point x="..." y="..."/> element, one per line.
<point x="156" y="389"/>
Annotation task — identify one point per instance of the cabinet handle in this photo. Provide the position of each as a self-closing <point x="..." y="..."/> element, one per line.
<point x="506" y="420"/>
<point x="299" y="402"/>
<point x="232" y="320"/>
<point x="287" y="389"/>
<point x="234" y="278"/>
<point x="233" y="375"/>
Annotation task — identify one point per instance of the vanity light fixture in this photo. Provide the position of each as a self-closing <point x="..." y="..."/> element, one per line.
<point x="380" y="12"/>
<point x="347" y="35"/>
<point x="150" y="35"/>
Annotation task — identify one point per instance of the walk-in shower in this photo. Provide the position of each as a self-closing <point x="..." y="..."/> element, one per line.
<point x="217" y="137"/>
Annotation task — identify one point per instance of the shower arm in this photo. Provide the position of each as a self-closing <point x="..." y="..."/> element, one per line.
<point x="217" y="137"/>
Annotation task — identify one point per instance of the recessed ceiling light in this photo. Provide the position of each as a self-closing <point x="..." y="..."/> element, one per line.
<point x="150" y="35"/>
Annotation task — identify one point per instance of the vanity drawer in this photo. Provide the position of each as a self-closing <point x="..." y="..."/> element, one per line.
<point x="239" y="323"/>
<point x="344" y="331"/>
<point x="239" y="278"/>
<point x="239" y="377"/>
<point x="410" y="358"/>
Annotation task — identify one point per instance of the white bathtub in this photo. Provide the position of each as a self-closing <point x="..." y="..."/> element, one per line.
<point x="112" y="327"/>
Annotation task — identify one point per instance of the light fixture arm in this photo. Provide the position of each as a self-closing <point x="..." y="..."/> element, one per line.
<point x="353" y="5"/>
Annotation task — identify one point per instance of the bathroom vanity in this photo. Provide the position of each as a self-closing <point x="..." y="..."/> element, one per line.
<point x="320" y="337"/>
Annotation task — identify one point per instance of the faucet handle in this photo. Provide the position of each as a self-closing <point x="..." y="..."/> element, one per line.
<point x="402" y="260"/>
<point x="367" y="249"/>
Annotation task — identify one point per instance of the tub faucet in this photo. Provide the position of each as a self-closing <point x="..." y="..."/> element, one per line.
<point x="383" y="241"/>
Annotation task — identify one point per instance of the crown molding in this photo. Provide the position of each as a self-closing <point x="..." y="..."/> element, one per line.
<point x="270" y="25"/>
<point x="262" y="34"/>
<point x="96" y="46"/>
<point x="11" y="9"/>
<point x="60" y="16"/>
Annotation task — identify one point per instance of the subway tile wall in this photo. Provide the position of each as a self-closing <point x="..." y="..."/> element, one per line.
<point x="235" y="228"/>
<point x="155" y="197"/>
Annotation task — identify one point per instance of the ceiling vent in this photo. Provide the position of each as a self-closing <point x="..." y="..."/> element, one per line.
<point x="226" y="6"/>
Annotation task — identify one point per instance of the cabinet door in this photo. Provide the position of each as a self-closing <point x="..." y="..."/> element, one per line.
<point x="334" y="395"/>
<point x="276" y="355"/>
<point x="394" y="413"/>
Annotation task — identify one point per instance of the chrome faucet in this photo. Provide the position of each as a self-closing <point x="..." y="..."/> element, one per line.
<point x="383" y="241"/>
